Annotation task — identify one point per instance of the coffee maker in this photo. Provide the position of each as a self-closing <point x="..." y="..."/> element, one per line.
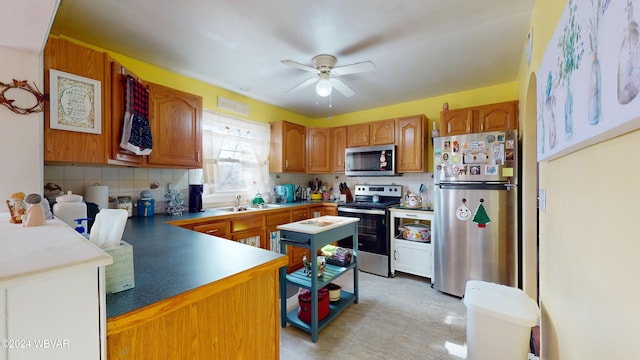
<point x="195" y="198"/>
<point x="195" y="190"/>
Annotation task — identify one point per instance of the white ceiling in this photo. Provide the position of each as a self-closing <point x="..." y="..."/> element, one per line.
<point x="421" y="48"/>
<point x="27" y="25"/>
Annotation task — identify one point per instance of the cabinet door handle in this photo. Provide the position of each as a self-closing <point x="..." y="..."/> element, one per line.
<point x="395" y="257"/>
<point x="468" y="126"/>
<point x="481" y="126"/>
<point x="211" y="231"/>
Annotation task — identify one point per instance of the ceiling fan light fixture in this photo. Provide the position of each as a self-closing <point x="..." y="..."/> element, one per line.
<point x="323" y="87"/>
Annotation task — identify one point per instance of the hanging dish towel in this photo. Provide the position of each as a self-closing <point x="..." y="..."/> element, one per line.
<point x="481" y="217"/>
<point x="136" y="132"/>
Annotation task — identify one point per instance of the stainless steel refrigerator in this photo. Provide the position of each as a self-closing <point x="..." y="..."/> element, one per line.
<point x="474" y="234"/>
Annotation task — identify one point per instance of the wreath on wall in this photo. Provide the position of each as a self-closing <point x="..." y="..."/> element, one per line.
<point x="23" y="85"/>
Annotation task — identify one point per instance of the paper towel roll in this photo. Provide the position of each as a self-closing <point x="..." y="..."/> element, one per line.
<point x="195" y="176"/>
<point x="98" y="194"/>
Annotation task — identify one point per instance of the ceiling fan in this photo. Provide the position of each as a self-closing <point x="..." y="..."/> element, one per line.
<point x="327" y="74"/>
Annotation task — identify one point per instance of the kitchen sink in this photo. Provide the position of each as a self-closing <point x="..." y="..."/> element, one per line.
<point x="236" y="209"/>
<point x="268" y="206"/>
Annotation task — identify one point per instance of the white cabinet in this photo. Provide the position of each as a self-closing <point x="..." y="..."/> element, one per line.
<point x="52" y="299"/>
<point x="53" y="318"/>
<point x="413" y="257"/>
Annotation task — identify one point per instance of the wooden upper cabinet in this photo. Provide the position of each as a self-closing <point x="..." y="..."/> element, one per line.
<point x="287" y="151"/>
<point x="319" y="150"/>
<point x="491" y="117"/>
<point x="383" y="132"/>
<point x="500" y="116"/>
<point x="176" y="128"/>
<point x="338" y="144"/>
<point x="117" y="155"/>
<point x="456" y="122"/>
<point x="368" y="134"/>
<point x="411" y="144"/>
<point x="358" y="135"/>
<point x="72" y="146"/>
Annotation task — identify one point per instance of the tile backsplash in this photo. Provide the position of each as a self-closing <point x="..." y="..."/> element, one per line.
<point x="125" y="181"/>
<point x="122" y="181"/>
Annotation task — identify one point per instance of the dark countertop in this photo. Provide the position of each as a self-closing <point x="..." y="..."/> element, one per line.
<point x="169" y="260"/>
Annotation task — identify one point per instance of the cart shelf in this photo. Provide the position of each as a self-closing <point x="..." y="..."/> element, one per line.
<point x="331" y="272"/>
<point x="335" y="308"/>
<point x="313" y="235"/>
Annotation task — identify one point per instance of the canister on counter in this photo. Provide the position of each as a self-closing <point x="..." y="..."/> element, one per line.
<point x="124" y="202"/>
<point x="146" y="207"/>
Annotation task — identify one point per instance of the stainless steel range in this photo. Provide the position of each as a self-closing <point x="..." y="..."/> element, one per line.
<point x="371" y="204"/>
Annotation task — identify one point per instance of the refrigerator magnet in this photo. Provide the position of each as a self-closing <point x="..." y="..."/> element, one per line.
<point x="509" y="144"/>
<point x="481" y="217"/>
<point x="474" y="169"/>
<point x="446" y="145"/>
<point x="501" y="137"/>
<point x="455" y="146"/>
<point x="447" y="171"/>
<point x="462" y="212"/>
<point x="491" y="170"/>
<point x="509" y="156"/>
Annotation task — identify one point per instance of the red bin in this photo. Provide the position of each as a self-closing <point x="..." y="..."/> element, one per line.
<point x="304" y="302"/>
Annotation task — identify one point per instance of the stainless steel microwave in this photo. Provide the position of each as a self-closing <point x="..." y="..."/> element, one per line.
<point x="370" y="161"/>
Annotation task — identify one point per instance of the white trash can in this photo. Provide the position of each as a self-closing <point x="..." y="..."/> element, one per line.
<point x="499" y="321"/>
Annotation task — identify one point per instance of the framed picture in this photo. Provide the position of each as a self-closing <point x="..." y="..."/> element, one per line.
<point x="75" y="102"/>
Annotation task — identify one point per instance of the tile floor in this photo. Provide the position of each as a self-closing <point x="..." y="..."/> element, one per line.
<point x="396" y="318"/>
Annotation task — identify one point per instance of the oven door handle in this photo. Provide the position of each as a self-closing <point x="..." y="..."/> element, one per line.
<point x="361" y="211"/>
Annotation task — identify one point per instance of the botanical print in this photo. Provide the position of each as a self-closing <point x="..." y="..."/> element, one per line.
<point x="589" y="77"/>
<point x="629" y="63"/>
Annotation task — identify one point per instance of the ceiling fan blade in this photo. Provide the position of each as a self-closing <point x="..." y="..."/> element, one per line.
<point x="354" y="68"/>
<point x="302" y="85"/>
<point x="299" y="66"/>
<point x="343" y="88"/>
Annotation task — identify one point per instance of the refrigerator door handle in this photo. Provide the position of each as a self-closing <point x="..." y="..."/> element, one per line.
<point x="476" y="185"/>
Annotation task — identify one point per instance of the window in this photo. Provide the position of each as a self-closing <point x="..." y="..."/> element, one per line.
<point x="235" y="157"/>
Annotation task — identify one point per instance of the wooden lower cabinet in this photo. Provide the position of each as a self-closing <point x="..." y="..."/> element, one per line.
<point x="245" y="229"/>
<point x="296" y="255"/>
<point x="300" y="214"/>
<point x="216" y="228"/>
<point x="233" y="318"/>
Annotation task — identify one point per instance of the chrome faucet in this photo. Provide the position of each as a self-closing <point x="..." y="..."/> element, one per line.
<point x="238" y="198"/>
